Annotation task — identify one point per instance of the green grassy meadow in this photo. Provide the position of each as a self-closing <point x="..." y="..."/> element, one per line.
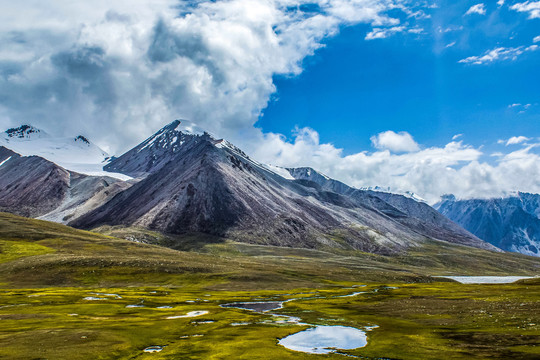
<point x="71" y="294"/>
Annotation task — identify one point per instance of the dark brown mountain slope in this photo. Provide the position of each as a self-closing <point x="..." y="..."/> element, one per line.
<point x="35" y="187"/>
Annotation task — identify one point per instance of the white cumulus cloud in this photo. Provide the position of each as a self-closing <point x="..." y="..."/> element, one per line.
<point x="531" y="7"/>
<point x="455" y="168"/>
<point x="119" y="70"/>
<point x="396" y="142"/>
<point x="479" y="9"/>
<point x="382" y="33"/>
<point x="499" y="54"/>
<point x="516" y="140"/>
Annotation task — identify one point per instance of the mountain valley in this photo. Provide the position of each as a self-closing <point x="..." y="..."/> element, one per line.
<point x="189" y="226"/>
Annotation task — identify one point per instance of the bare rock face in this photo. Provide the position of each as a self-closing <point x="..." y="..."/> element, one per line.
<point x="192" y="182"/>
<point x="6" y="154"/>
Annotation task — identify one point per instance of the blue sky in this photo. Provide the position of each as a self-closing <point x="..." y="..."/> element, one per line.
<point x="354" y="88"/>
<point x="370" y="92"/>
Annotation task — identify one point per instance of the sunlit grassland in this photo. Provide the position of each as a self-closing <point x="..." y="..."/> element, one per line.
<point x="47" y="271"/>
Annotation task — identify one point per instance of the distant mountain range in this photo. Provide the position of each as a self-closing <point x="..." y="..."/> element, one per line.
<point x="187" y="181"/>
<point x="404" y="208"/>
<point x="511" y="223"/>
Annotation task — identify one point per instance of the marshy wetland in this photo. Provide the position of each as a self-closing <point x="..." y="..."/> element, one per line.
<point x="414" y="321"/>
<point x="81" y="295"/>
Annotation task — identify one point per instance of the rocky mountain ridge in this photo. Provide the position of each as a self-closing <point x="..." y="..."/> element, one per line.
<point x="193" y="182"/>
<point x="188" y="182"/>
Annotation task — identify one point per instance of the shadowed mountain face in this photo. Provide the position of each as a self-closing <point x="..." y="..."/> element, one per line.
<point x="511" y="223"/>
<point x="33" y="186"/>
<point x="192" y="182"/>
<point x="415" y="215"/>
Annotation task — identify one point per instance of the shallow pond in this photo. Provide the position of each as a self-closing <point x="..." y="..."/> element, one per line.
<point x="259" y="306"/>
<point x="325" y="339"/>
<point x="319" y="339"/>
<point x="153" y="349"/>
<point x="486" y="279"/>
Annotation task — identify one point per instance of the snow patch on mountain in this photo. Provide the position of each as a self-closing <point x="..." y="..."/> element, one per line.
<point x="390" y="190"/>
<point x="189" y="127"/>
<point x="284" y="173"/>
<point x="5" y="161"/>
<point x="528" y="245"/>
<point x="171" y="136"/>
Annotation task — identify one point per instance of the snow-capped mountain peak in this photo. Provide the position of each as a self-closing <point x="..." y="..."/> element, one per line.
<point x="77" y="153"/>
<point x="29" y="140"/>
<point x="157" y="150"/>
<point x="172" y="135"/>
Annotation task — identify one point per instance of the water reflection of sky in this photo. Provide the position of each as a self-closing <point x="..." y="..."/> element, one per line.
<point x="325" y="339"/>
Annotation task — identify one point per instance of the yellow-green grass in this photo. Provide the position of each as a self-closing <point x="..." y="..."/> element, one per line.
<point x="71" y="257"/>
<point x="11" y="250"/>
